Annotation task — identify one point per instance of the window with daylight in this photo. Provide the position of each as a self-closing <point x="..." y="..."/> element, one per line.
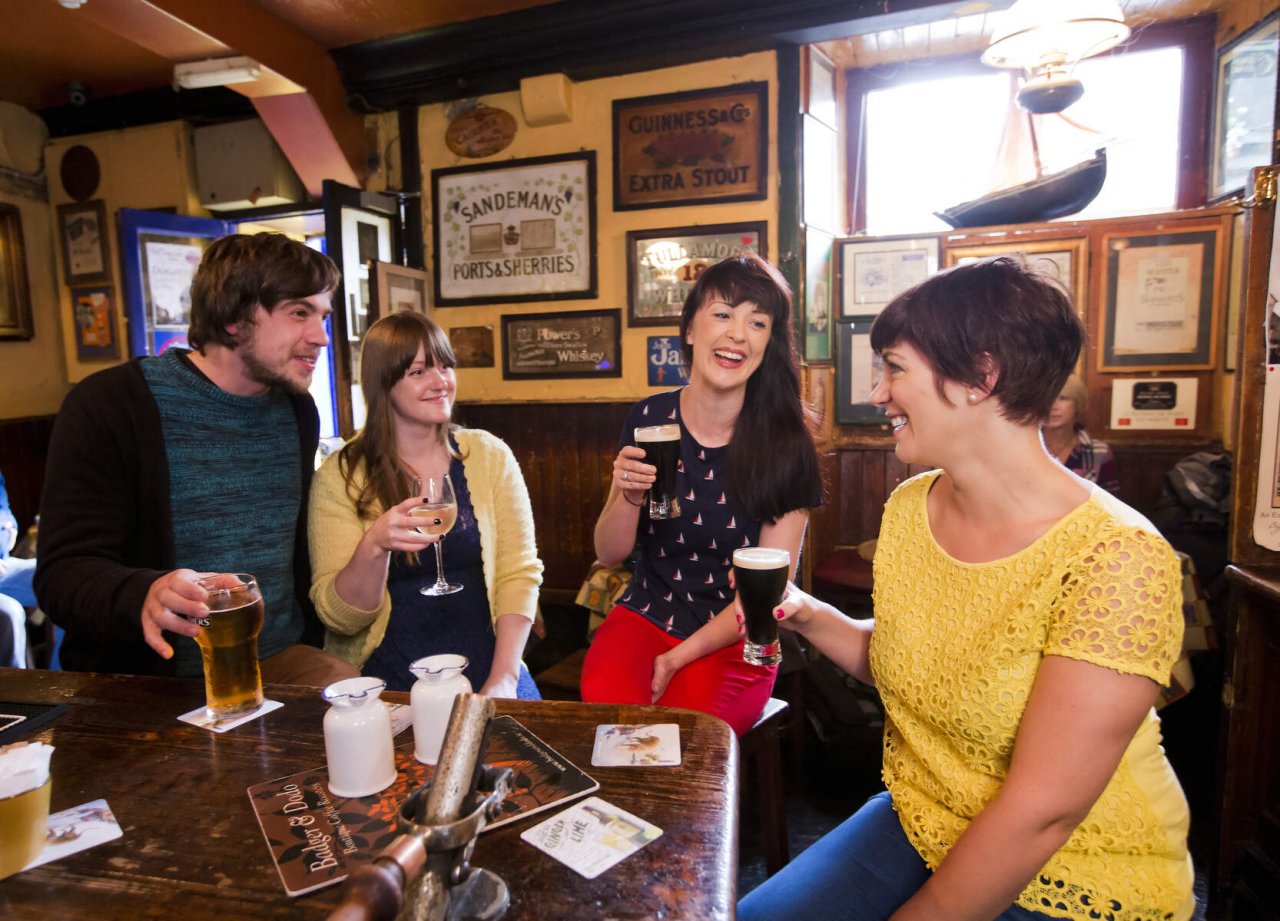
<point x="933" y="137"/>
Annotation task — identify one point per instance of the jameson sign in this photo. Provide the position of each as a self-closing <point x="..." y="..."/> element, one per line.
<point x="688" y="148"/>
<point x="524" y="230"/>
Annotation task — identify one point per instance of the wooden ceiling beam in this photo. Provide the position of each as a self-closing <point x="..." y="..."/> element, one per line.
<point x="319" y="134"/>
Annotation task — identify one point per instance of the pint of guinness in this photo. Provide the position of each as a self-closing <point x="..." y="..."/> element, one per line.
<point x="661" y="445"/>
<point x="760" y="575"/>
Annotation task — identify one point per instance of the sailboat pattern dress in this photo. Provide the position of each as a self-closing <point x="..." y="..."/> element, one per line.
<point x="682" y="567"/>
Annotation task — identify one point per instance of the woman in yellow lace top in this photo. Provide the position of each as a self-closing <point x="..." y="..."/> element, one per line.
<point x="1025" y="621"/>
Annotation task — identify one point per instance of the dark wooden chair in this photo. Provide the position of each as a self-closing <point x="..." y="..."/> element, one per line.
<point x="843" y="578"/>
<point x="761" y="750"/>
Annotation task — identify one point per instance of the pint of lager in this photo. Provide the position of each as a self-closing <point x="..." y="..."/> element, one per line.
<point x="661" y="445"/>
<point x="760" y="575"/>
<point x="229" y="644"/>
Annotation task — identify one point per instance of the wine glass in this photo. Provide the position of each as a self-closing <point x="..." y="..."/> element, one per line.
<point x="438" y="513"/>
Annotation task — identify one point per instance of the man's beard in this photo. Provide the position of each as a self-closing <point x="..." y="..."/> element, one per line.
<point x="267" y="377"/>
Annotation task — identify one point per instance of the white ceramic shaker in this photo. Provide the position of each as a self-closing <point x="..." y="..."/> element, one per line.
<point x="440" y="680"/>
<point x="357" y="738"/>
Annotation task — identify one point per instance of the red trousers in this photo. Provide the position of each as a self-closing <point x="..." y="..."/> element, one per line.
<point x="619" y="670"/>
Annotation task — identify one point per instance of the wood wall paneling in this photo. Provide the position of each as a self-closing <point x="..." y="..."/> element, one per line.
<point x="23" y="445"/>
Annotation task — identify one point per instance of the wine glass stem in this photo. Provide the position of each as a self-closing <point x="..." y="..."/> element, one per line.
<point x="440" y="580"/>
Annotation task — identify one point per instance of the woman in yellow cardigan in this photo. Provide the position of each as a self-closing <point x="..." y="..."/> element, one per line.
<point x="366" y="553"/>
<point x="1025" y="620"/>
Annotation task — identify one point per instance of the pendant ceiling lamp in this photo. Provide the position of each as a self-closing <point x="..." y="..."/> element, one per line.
<point x="1046" y="39"/>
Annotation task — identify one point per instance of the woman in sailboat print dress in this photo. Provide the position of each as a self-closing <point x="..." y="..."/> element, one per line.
<point x="748" y="475"/>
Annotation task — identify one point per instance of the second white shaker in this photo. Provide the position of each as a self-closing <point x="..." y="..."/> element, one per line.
<point x="440" y="680"/>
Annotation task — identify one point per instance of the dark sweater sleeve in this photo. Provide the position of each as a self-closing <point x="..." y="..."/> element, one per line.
<point x="102" y="540"/>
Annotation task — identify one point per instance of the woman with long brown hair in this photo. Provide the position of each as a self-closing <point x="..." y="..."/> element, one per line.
<point x="367" y="553"/>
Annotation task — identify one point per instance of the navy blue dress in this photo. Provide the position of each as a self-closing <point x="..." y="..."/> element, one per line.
<point x="460" y="623"/>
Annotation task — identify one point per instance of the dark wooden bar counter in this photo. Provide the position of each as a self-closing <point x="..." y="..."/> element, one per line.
<point x="192" y="848"/>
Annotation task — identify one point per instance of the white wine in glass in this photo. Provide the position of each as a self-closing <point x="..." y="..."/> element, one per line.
<point x="438" y="514"/>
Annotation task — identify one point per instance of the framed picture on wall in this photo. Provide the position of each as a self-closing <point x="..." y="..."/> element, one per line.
<point x="1244" y="112"/>
<point x="698" y="147"/>
<point x="575" y="343"/>
<point x="94" y="313"/>
<point x="1160" y="298"/>
<point x="872" y="272"/>
<point x="518" y="230"/>
<point x="82" y="229"/>
<point x="1066" y="261"/>
<point x="15" y="296"/>
<point x="856" y="373"/>
<point x="817" y="295"/>
<point x="397" y="288"/>
<point x="664" y="264"/>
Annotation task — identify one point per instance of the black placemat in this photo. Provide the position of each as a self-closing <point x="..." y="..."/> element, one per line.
<point x="29" y="716"/>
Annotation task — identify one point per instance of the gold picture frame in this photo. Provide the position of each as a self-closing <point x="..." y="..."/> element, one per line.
<point x="15" y="293"/>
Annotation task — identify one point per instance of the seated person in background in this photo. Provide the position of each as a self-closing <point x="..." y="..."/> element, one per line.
<point x="1067" y="440"/>
<point x="748" y="476"/>
<point x="1024" y="624"/>
<point x="16" y="594"/>
<point x="194" y="462"/>
<point x="370" y="561"/>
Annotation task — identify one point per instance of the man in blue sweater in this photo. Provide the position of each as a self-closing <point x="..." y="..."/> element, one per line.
<point x="191" y="462"/>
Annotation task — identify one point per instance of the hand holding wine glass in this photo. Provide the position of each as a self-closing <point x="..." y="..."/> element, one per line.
<point x="437" y="514"/>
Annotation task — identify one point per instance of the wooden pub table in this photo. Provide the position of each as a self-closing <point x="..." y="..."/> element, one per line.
<point x="192" y="848"/>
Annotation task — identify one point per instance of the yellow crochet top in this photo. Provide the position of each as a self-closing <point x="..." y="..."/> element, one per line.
<point x="955" y="652"/>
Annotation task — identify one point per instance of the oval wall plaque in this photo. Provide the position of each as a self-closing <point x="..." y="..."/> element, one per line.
<point x="80" y="172"/>
<point x="481" y="132"/>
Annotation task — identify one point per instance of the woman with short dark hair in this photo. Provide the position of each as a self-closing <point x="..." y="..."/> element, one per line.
<point x="1025" y="621"/>
<point x="748" y="477"/>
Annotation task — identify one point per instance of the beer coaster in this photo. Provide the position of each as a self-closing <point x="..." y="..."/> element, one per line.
<point x="401" y="717"/>
<point x="592" y="836"/>
<point x="78" y="829"/>
<point x="19" y="718"/>
<point x="622" y="744"/>
<point x="198" y="717"/>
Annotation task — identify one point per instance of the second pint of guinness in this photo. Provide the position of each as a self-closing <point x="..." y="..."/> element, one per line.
<point x="760" y="575"/>
<point x="661" y="445"/>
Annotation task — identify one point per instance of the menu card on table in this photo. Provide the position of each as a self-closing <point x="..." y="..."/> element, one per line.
<point x="317" y="839"/>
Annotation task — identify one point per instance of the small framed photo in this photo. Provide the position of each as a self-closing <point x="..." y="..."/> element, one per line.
<point x="397" y="288"/>
<point x="1160" y="300"/>
<point x="1244" y="111"/>
<point x="575" y="343"/>
<point x="472" y="346"/>
<point x="94" y="313"/>
<point x="664" y="264"/>
<point x="874" y="272"/>
<point x="15" y="293"/>
<point x="517" y="230"/>
<point x="1066" y="261"/>
<point x="82" y="227"/>
<point x="857" y="370"/>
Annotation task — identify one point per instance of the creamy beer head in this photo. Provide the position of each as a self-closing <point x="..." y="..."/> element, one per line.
<point x="760" y="576"/>
<point x="657" y="433"/>
<point x="761" y="558"/>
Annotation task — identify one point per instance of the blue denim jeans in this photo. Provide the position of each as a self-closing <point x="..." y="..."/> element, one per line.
<point x="863" y="870"/>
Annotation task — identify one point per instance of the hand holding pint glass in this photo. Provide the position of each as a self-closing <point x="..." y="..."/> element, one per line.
<point x="229" y="644"/>
<point x="661" y="445"/>
<point x="760" y="575"/>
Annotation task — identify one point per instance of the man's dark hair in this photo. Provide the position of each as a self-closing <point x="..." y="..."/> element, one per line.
<point x="241" y="271"/>
<point x="993" y="315"/>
